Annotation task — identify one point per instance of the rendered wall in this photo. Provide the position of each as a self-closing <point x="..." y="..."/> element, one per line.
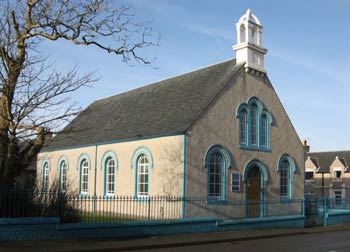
<point x="165" y="175"/>
<point x="219" y="125"/>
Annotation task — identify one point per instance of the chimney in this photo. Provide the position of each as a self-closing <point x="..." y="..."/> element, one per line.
<point x="306" y="146"/>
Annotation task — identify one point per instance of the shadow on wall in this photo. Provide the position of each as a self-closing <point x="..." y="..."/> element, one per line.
<point x="170" y="175"/>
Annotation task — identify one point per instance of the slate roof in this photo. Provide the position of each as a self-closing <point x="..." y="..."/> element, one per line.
<point x="325" y="159"/>
<point x="314" y="161"/>
<point x="166" y="107"/>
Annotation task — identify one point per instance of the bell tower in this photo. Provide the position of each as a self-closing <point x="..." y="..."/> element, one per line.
<point x="249" y="43"/>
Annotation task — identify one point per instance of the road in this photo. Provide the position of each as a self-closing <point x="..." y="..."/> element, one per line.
<point x="334" y="241"/>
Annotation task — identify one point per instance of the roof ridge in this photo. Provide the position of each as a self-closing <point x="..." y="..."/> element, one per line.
<point x="161" y="80"/>
<point x="328" y="151"/>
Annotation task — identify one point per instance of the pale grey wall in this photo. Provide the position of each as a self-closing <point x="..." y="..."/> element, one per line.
<point x="219" y="125"/>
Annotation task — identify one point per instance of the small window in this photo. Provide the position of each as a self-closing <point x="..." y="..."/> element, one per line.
<point x="46" y="177"/>
<point x="309" y="175"/>
<point x="235" y="182"/>
<point x="142" y="176"/>
<point x="337" y="174"/>
<point x="63" y="176"/>
<point x="338" y="198"/>
<point x="110" y="176"/>
<point x="84" y="180"/>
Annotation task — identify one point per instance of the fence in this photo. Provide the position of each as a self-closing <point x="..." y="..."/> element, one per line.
<point x="321" y="211"/>
<point x="128" y="208"/>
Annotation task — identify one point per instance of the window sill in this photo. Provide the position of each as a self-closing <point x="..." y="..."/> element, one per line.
<point x="109" y="196"/>
<point x="212" y="201"/>
<point x="286" y="200"/>
<point x="253" y="148"/>
<point x="141" y="198"/>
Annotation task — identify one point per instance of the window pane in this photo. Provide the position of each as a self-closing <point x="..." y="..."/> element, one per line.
<point x="215" y="175"/>
<point x="253" y="124"/>
<point x="84" y="176"/>
<point x="110" y="175"/>
<point x="143" y="176"/>
<point x="264" y="131"/>
<point x="284" y="179"/>
<point x="309" y="175"/>
<point x="63" y="176"/>
<point x="243" y="127"/>
<point x="46" y="177"/>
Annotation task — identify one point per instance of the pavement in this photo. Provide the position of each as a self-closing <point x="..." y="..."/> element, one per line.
<point x="165" y="241"/>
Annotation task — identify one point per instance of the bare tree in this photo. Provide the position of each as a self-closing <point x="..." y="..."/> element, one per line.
<point x="34" y="97"/>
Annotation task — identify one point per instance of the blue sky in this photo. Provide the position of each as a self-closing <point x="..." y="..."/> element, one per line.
<point x="308" y="60"/>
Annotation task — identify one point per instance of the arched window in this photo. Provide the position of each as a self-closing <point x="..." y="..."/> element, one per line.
<point x="46" y="181"/>
<point x="242" y="34"/>
<point x="63" y="169"/>
<point x="264" y="132"/>
<point x="215" y="175"/>
<point x="142" y="176"/>
<point x="110" y="176"/>
<point x="243" y="127"/>
<point x="284" y="178"/>
<point x="253" y="124"/>
<point x="286" y="167"/>
<point x="254" y="36"/>
<point x="84" y="176"/>
<point x="217" y="160"/>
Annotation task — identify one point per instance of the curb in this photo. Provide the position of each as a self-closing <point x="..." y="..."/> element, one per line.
<point x="191" y="243"/>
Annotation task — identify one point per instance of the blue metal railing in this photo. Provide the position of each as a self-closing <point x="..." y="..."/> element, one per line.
<point x="73" y="208"/>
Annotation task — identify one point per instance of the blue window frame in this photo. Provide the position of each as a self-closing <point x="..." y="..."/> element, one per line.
<point x="215" y="176"/>
<point x="63" y="175"/>
<point x="243" y="127"/>
<point x="284" y="179"/>
<point x="254" y="125"/>
<point x="264" y="132"/>
<point x="142" y="176"/>
<point x="110" y="177"/>
<point x="109" y="165"/>
<point x="46" y="176"/>
<point x="83" y="167"/>
<point x="84" y="176"/>
<point x="286" y="167"/>
<point x="142" y="162"/>
<point x="217" y="160"/>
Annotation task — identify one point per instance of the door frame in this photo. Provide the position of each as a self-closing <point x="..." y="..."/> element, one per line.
<point x="263" y="179"/>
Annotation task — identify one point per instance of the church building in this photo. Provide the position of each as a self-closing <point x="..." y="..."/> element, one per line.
<point x="219" y="132"/>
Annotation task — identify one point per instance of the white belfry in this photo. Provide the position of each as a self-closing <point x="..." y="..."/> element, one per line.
<point x="249" y="43"/>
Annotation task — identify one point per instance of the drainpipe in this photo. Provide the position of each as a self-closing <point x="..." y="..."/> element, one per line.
<point x="184" y="145"/>
<point x="94" y="210"/>
<point x="322" y="185"/>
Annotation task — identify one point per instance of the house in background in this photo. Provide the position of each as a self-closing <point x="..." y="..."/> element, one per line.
<point x="327" y="174"/>
<point x="219" y="132"/>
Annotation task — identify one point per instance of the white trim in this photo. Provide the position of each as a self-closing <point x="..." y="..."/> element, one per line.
<point x="337" y="168"/>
